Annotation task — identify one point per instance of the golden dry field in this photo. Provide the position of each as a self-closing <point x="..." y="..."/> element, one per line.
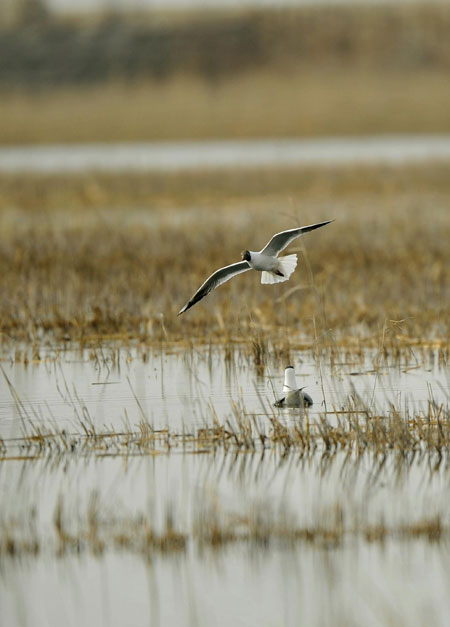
<point x="116" y="256"/>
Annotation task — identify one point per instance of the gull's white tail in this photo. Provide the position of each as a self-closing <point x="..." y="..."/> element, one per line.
<point x="287" y="266"/>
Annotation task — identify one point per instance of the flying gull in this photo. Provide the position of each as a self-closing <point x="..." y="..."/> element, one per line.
<point x="273" y="270"/>
<point x="294" y="397"/>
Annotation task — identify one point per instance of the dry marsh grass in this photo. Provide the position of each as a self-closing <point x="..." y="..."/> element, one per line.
<point x="354" y="428"/>
<point x="90" y="274"/>
<point x="222" y="189"/>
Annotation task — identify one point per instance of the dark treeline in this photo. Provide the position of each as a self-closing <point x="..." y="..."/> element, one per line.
<point x="51" y="51"/>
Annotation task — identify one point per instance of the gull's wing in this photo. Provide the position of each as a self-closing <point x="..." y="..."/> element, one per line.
<point x="216" y="279"/>
<point x="279" y="402"/>
<point x="281" y="240"/>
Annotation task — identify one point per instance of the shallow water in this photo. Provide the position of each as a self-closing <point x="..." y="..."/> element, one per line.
<point x="191" y="155"/>
<point x="401" y="581"/>
<point x="118" y="387"/>
<point x="305" y="586"/>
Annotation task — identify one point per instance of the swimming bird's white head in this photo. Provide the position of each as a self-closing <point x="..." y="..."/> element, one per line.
<point x="290" y="383"/>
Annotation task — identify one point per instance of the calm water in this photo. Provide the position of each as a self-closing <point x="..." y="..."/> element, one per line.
<point x="399" y="582"/>
<point x="169" y="156"/>
<point x="398" y="585"/>
<point x="180" y="388"/>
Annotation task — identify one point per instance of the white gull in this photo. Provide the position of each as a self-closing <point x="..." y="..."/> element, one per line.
<point x="293" y="396"/>
<point x="273" y="270"/>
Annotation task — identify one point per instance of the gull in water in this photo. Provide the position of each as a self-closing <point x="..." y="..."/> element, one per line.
<point x="293" y="396"/>
<point x="273" y="270"/>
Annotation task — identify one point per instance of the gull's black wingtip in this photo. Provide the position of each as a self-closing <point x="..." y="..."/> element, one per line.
<point x="318" y="225"/>
<point x="185" y="308"/>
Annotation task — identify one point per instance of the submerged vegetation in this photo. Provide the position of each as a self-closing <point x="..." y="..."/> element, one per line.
<point x="351" y="441"/>
<point x="100" y="531"/>
<point x="355" y="429"/>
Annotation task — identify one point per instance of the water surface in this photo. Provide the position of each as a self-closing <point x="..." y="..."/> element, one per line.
<point x="184" y="387"/>
<point x="191" y="155"/>
<point x="401" y="580"/>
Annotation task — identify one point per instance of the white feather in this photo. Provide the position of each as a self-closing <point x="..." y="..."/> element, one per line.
<point x="286" y="265"/>
<point x="269" y="278"/>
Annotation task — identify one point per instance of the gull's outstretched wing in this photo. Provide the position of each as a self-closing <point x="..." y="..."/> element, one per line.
<point x="216" y="279"/>
<point x="281" y="240"/>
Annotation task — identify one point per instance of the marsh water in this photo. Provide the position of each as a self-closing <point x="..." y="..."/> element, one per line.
<point x="187" y="155"/>
<point x="398" y="581"/>
<point x="113" y="388"/>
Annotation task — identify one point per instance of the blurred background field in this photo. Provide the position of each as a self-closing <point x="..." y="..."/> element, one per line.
<point x="344" y="69"/>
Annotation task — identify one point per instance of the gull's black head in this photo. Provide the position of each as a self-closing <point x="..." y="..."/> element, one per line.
<point x="245" y="255"/>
